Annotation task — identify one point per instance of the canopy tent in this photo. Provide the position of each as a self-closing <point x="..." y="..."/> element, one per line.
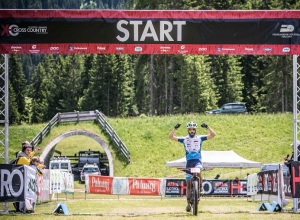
<point x="214" y="159"/>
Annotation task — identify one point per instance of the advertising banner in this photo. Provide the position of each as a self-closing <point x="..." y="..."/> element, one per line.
<point x="44" y="186"/>
<point x="31" y="191"/>
<point x="57" y="184"/>
<point x="68" y="182"/>
<point x="287" y="186"/>
<point x="252" y="183"/>
<point x="144" y="186"/>
<point x="149" y="32"/>
<point x="268" y="182"/>
<point x="175" y="187"/>
<point x="295" y="179"/>
<point x="99" y="184"/>
<point x="12" y="183"/>
<point x="120" y="186"/>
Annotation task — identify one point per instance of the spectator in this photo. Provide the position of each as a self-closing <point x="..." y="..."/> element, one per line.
<point x="26" y="154"/>
<point x="24" y="159"/>
<point x="34" y="163"/>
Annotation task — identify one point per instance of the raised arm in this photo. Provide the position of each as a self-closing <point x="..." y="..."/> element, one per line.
<point x="211" y="134"/>
<point x="171" y="135"/>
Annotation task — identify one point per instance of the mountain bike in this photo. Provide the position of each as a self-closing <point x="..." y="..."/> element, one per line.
<point x="195" y="190"/>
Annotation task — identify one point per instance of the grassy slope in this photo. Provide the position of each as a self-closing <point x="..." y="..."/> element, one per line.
<point x="264" y="138"/>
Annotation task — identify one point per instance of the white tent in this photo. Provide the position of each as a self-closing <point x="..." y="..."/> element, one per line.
<point x="214" y="159"/>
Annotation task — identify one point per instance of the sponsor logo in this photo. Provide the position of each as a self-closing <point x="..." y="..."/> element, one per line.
<point x="15" y="30"/>
<point x="249" y="49"/>
<point x="202" y="49"/>
<point x="7" y="187"/>
<point x="267" y="49"/>
<point x="138" y="49"/>
<point x="287" y="28"/>
<point x="228" y="49"/>
<point x="286" y="31"/>
<point x="77" y="48"/>
<point x="34" y="49"/>
<point x="80" y="48"/>
<point x="54" y="48"/>
<point x="119" y="48"/>
<point x="16" y="48"/>
<point x="182" y="50"/>
<point x="286" y="49"/>
<point x="225" y="49"/>
<point x="101" y="48"/>
<point x="165" y="49"/>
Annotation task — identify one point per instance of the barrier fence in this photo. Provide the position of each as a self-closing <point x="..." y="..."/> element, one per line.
<point x="19" y="181"/>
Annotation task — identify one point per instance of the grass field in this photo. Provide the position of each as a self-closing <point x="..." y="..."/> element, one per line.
<point x="264" y="138"/>
<point x="154" y="207"/>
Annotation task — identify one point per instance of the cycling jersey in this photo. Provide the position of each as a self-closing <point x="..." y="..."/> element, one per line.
<point x="192" y="146"/>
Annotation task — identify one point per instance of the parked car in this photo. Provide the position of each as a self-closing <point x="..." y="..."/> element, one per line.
<point x="274" y="166"/>
<point x="89" y="169"/>
<point x="60" y="163"/>
<point x="230" y="108"/>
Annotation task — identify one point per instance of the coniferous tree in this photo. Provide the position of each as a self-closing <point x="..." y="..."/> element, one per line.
<point x="226" y="72"/>
<point x="18" y="85"/>
<point x="39" y="102"/>
<point x="198" y="88"/>
<point x="278" y="84"/>
<point x="70" y="84"/>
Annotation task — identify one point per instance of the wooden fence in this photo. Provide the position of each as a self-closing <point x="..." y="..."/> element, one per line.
<point x="78" y="117"/>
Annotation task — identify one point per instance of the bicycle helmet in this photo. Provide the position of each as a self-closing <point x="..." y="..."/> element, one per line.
<point x="191" y="124"/>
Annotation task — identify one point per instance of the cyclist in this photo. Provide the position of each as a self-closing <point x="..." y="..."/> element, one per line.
<point x="192" y="144"/>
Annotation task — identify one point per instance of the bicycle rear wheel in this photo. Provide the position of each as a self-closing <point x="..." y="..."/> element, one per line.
<point x="195" y="197"/>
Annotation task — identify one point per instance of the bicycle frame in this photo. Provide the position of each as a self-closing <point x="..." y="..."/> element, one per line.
<point x="195" y="195"/>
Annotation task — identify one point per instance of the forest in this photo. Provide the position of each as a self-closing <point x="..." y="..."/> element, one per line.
<point x="131" y="85"/>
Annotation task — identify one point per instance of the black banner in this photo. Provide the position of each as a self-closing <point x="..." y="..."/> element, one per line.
<point x="149" y="32"/>
<point x="295" y="179"/>
<point x="146" y="31"/>
<point x="12" y="179"/>
<point x="177" y="187"/>
<point x="268" y="182"/>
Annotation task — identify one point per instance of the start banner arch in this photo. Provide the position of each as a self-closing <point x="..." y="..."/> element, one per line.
<point x="270" y="32"/>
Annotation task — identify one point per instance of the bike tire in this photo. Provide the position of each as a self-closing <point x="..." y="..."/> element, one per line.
<point x="195" y="197"/>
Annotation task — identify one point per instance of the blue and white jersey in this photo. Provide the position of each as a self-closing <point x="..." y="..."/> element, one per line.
<point x="192" y="146"/>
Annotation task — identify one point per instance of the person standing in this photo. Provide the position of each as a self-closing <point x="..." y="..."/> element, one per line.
<point x="192" y="145"/>
<point x="26" y="153"/>
<point x="24" y="158"/>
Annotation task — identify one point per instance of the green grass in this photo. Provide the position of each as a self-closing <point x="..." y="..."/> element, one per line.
<point x="150" y="207"/>
<point x="264" y="138"/>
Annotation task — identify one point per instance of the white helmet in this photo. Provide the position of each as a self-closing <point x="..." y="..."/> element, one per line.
<point x="191" y="124"/>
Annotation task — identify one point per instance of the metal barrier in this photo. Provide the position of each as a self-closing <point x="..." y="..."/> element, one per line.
<point x="78" y="117"/>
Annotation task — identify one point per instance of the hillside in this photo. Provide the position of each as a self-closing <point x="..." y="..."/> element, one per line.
<point x="264" y="138"/>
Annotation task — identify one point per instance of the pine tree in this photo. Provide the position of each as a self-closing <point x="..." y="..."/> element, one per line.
<point x="226" y="72"/>
<point x="38" y="99"/>
<point x="18" y="86"/>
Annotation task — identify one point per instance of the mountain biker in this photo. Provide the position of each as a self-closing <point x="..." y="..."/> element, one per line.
<point x="192" y="145"/>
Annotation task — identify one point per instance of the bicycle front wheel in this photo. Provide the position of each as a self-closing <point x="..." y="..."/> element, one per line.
<point x="195" y="197"/>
